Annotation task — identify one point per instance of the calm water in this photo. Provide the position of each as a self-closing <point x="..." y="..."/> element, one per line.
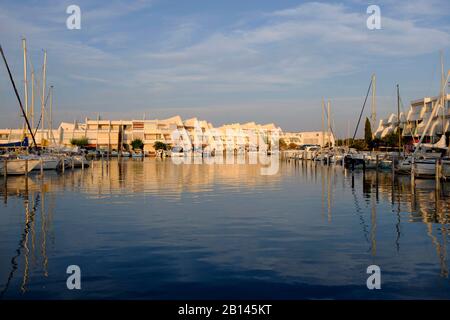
<point x="156" y="230"/>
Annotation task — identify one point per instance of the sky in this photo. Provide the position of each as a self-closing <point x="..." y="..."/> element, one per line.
<point x="225" y="61"/>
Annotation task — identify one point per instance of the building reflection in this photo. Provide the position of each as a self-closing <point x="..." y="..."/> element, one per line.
<point x="426" y="204"/>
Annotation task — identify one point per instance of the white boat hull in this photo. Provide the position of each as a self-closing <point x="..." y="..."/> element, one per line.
<point x="47" y="164"/>
<point x="404" y="167"/>
<point x="137" y="155"/>
<point x="18" y="166"/>
<point x="177" y="154"/>
<point x="425" y="168"/>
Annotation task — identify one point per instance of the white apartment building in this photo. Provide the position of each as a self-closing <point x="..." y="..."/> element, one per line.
<point x="116" y="134"/>
<point x="413" y="121"/>
<point x="307" y="138"/>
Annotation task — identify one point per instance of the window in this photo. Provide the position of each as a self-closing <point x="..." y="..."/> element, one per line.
<point x="150" y="137"/>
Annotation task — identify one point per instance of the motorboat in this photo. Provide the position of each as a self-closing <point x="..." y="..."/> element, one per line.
<point x="138" y="155"/>
<point x="177" y="152"/>
<point x="311" y="152"/>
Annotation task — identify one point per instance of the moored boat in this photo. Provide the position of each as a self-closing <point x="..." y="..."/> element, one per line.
<point x="137" y="155"/>
<point x="425" y="168"/>
<point x="18" y="166"/>
<point x="48" y="162"/>
<point x="446" y="167"/>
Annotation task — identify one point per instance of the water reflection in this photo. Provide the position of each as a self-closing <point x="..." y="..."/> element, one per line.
<point x="33" y="196"/>
<point x="307" y="225"/>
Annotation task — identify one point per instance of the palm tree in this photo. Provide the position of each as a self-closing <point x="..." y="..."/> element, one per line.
<point x="160" y="145"/>
<point x="137" y="144"/>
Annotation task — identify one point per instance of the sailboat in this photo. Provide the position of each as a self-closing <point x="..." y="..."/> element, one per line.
<point x="17" y="166"/>
<point x="49" y="162"/>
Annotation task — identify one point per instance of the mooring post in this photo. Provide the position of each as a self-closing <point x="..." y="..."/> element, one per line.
<point x="26" y="167"/>
<point x="393" y="169"/>
<point x="5" y="169"/>
<point x="63" y="164"/>
<point x="353" y="181"/>
<point x="41" y="162"/>
<point x="377" y="163"/>
<point x="438" y="174"/>
<point x="364" y="165"/>
<point x="413" y="175"/>
<point x="73" y="163"/>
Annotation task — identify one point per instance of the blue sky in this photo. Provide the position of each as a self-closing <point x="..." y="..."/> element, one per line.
<point x="226" y="61"/>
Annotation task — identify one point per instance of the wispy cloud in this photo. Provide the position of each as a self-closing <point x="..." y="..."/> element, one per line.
<point x="283" y="54"/>
<point x="294" y="46"/>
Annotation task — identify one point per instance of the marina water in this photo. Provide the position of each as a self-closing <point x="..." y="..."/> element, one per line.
<point x="153" y="229"/>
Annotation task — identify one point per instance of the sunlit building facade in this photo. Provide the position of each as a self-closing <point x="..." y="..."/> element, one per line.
<point x="115" y="135"/>
<point x="414" y="121"/>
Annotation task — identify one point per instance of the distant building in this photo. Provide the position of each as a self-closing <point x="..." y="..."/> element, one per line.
<point x="116" y="134"/>
<point x="313" y="137"/>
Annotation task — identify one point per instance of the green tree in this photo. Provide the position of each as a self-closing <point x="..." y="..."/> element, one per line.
<point x="368" y="133"/>
<point x="158" y="145"/>
<point x="137" y="144"/>
<point x="358" y="144"/>
<point x="81" y="142"/>
<point x="391" y="140"/>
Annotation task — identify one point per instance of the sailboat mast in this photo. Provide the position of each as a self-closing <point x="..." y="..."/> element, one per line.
<point x="374" y="108"/>
<point x="25" y="82"/>
<point x="323" y="122"/>
<point x="398" y="119"/>
<point x="329" y="123"/>
<point x="348" y="133"/>
<point x="44" y="71"/>
<point x="32" y="100"/>
<point x="17" y="95"/>
<point x="443" y="86"/>
<point x="50" y="127"/>
<point x="98" y="125"/>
